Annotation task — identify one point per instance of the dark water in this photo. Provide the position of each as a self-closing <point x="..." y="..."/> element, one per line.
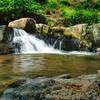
<point x="13" y="67"/>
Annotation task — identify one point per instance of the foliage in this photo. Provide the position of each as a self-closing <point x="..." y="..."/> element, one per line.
<point x="74" y="12"/>
<point x="76" y="16"/>
<point x="6" y="5"/>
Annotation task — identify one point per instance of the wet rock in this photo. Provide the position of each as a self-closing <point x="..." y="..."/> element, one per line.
<point x="70" y="44"/>
<point x="42" y="28"/>
<point x="17" y="83"/>
<point x="6" y="33"/>
<point x="99" y="73"/>
<point x="27" y="24"/>
<point x="2" y="28"/>
<point x="6" y="48"/>
<point x="64" y="76"/>
<point x="98" y="50"/>
<point x="95" y="34"/>
<point x="56" y="31"/>
<point x="88" y="77"/>
<point x="76" y="31"/>
<point x="6" y="36"/>
<point x="33" y="90"/>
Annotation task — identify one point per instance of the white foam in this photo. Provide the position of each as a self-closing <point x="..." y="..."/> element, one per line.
<point x="29" y="44"/>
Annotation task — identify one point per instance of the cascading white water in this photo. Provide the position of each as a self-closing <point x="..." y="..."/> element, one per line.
<point x="26" y="43"/>
<point x="55" y="42"/>
<point x="60" y="44"/>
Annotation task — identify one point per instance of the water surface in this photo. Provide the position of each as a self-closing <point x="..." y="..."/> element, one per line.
<point x="32" y="65"/>
<point x="22" y="66"/>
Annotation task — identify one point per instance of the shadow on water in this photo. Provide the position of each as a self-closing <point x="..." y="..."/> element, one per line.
<point x="92" y="58"/>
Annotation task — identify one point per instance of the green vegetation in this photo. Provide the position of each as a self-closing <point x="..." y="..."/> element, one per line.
<point x="71" y="11"/>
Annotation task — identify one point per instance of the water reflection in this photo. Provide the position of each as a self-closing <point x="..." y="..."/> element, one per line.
<point x="20" y="65"/>
<point x="27" y="63"/>
<point x="47" y="65"/>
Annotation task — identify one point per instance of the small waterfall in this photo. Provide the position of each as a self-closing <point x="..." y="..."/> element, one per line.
<point x="61" y="44"/>
<point x="26" y="43"/>
<point x="55" y="42"/>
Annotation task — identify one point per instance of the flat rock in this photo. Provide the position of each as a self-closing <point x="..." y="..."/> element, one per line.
<point x="54" y="88"/>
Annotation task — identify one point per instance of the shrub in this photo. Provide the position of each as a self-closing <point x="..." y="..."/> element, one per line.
<point x="76" y="16"/>
<point x="65" y="2"/>
<point x="88" y="16"/>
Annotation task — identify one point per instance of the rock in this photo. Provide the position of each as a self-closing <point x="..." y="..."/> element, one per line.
<point x="76" y="31"/>
<point x="71" y="38"/>
<point x="79" y="32"/>
<point x="64" y="76"/>
<point x="57" y="31"/>
<point x="42" y="28"/>
<point x="88" y="77"/>
<point x="2" y="28"/>
<point x="98" y="50"/>
<point x="54" y="88"/>
<point x="73" y="31"/>
<point x="6" y="48"/>
<point x="95" y="34"/>
<point x="6" y="36"/>
<point x="28" y="24"/>
<point x="6" y="33"/>
<point x="99" y="73"/>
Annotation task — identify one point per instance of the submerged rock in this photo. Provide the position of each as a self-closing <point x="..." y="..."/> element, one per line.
<point x="28" y="24"/>
<point x="84" y="87"/>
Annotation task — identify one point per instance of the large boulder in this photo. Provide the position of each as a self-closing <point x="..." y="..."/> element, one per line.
<point x="74" y="31"/>
<point x="28" y="24"/>
<point x="78" y="32"/>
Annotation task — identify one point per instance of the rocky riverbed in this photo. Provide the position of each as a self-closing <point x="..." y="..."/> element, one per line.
<point x="62" y="87"/>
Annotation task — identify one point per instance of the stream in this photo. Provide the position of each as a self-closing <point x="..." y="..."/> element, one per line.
<point x="33" y="65"/>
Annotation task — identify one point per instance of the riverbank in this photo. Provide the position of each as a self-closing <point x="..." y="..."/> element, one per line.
<point x="62" y="87"/>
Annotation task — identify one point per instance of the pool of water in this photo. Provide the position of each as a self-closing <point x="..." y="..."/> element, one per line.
<point x="22" y="66"/>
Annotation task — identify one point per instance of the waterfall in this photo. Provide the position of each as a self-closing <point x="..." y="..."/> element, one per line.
<point x="26" y="43"/>
<point x="55" y="42"/>
<point x="61" y="44"/>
